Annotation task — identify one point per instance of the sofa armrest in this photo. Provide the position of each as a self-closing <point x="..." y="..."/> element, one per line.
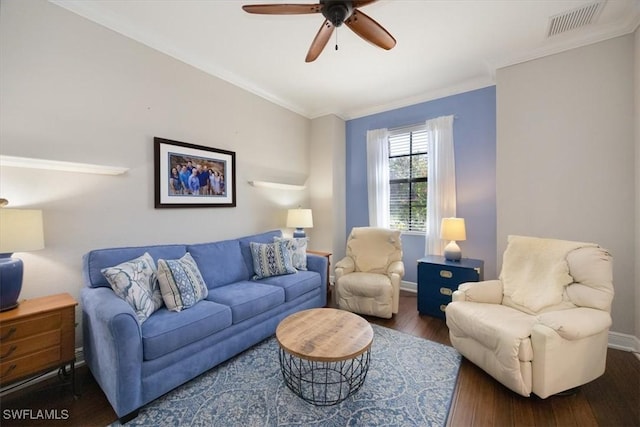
<point x="344" y="266"/>
<point x="488" y="291"/>
<point x="576" y="323"/>
<point x="112" y="345"/>
<point x="319" y="264"/>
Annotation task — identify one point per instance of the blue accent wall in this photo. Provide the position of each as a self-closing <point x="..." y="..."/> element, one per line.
<point x="474" y="134"/>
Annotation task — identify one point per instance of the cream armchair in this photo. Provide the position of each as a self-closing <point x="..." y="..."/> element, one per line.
<point x="543" y="327"/>
<point x="368" y="278"/>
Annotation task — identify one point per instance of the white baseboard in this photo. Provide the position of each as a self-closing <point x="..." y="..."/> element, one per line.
<point x="409" y="287"/>
<point x="624" y="342"/>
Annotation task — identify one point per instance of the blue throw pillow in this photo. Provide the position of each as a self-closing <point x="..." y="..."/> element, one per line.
<point x="181" y="283"/>
<point x="271" y="259"/>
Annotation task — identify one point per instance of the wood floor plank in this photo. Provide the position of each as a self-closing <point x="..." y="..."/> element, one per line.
<point x="478" y="400"/>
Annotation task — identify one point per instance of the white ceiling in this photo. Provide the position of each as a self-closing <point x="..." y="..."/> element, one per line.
<point x="444" y="47"/>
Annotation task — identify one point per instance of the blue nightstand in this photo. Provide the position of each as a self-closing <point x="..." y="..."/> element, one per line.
<point x="439" y="278"/>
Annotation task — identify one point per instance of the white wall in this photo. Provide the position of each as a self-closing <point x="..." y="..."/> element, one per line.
<point x="74" y="91"/>
<point x="327" y="185"/>
<point x="565" y="155"/>
<point x="636" y="119"/>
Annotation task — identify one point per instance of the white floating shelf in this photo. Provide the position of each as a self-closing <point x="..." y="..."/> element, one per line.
<point x="32" y="163"/>
<point x="277" y="185"/>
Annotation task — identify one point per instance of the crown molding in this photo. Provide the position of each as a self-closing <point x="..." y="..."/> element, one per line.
<point x="565" y="42"/>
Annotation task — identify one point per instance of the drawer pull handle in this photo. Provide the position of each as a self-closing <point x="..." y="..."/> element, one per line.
<point x="446" y="291"/>
<point x="11" y="368"/>
<point x="8" y="334"/>
<point x="443" y="307"/>
<point x="446" y="274"/>
<point x="9" y="353"/>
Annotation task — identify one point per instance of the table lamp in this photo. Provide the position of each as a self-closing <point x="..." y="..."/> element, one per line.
<point x="20" y="231"/>
<point x="299" y="219"/>
<point x="453" y="229"/>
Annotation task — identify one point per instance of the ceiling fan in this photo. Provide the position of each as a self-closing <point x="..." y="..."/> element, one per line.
<point x="336" y="13"/>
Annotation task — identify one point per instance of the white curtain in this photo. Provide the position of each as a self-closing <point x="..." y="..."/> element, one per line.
<point x="441" y="176"/>
<point x="378" y="177"/>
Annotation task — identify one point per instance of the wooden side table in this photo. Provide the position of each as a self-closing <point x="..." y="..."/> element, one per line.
<point x="37" y="336"/>
<point x="328" y="256"/>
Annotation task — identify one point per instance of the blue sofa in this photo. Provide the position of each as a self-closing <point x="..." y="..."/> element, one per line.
<point x="135" y="364"/>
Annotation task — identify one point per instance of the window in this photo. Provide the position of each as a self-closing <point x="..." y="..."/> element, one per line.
<point x="408" y="178"/>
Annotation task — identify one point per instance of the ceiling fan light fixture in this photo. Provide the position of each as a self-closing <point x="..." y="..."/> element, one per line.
<point x="337" y="12"/>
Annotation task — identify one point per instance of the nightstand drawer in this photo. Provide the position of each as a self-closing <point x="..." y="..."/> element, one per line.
<point x="432" y="292"/>
<point x="19" y="329"/>
<point x="29" y="364"/>
<point x="433" y="304"/>
<point x="37" y="336"/>
<point x="17" y="348"/>
<point x="448" y="275"/>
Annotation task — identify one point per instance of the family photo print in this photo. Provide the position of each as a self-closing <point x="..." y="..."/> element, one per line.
<point x="188" y="175"/>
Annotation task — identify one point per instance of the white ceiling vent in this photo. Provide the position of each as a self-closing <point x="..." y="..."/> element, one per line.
<point x="567" y="21"/>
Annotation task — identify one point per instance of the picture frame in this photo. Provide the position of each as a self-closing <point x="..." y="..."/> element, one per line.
<point x="212" y="185"/>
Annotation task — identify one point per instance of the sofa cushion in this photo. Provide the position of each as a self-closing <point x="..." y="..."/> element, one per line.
<point x="298" y="249"/>
<point x="295" y="285"/>
<point x="271" y="259"/>
<point x="247" y="299"/>
<point x="181" y="283"/>
<point x="220" y="263"/>
<point x="135" y="282"/>
<point x="94" y="261"/>
<point x="498" y="327"/>
<point x="245" y="248"/>
<point x="167" y="331"/>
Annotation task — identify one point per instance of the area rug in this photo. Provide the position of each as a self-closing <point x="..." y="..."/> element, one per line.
<point x="410" y="383"/>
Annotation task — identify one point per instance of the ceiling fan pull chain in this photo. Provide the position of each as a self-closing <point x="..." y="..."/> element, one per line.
<point x="336" y="39"/>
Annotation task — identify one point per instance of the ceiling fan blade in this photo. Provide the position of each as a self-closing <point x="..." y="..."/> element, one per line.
<point x="282" y="9"/>
<point x="360" y="3"/>
<point x="320" y="41"/>
<point x="370" y="30"/>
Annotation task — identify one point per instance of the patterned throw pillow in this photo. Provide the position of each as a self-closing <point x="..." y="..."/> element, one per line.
<point x="135" y="282"/>
<point x="298" y="248"/>
<point x="181" y="283"/>
<point x="271" y="259"/>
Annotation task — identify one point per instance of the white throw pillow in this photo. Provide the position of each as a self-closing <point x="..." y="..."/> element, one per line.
<point x="298" y="248"/>
<point x="135" y="282"/>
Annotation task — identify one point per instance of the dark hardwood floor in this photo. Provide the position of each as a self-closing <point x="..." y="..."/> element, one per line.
<point x="479" y="400"/>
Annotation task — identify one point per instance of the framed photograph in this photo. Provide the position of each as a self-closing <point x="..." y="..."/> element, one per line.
<point x="188" y="175"/>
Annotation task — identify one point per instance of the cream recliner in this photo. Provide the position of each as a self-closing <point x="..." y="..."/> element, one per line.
<point x="368" y="277"/>
<point x="543" y="327"/>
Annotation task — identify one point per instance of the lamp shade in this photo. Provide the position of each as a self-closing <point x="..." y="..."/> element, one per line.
<point x="21" y="230"/>
<point x="299" y="218"/>
<point x="453" y="229"/>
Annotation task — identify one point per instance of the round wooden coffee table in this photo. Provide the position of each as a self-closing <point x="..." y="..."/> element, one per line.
<point x="324" y="354"/>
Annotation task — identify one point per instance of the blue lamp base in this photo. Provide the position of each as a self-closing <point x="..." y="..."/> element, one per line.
<point x="299" y="233"/>
<point x="10" y="281"/>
